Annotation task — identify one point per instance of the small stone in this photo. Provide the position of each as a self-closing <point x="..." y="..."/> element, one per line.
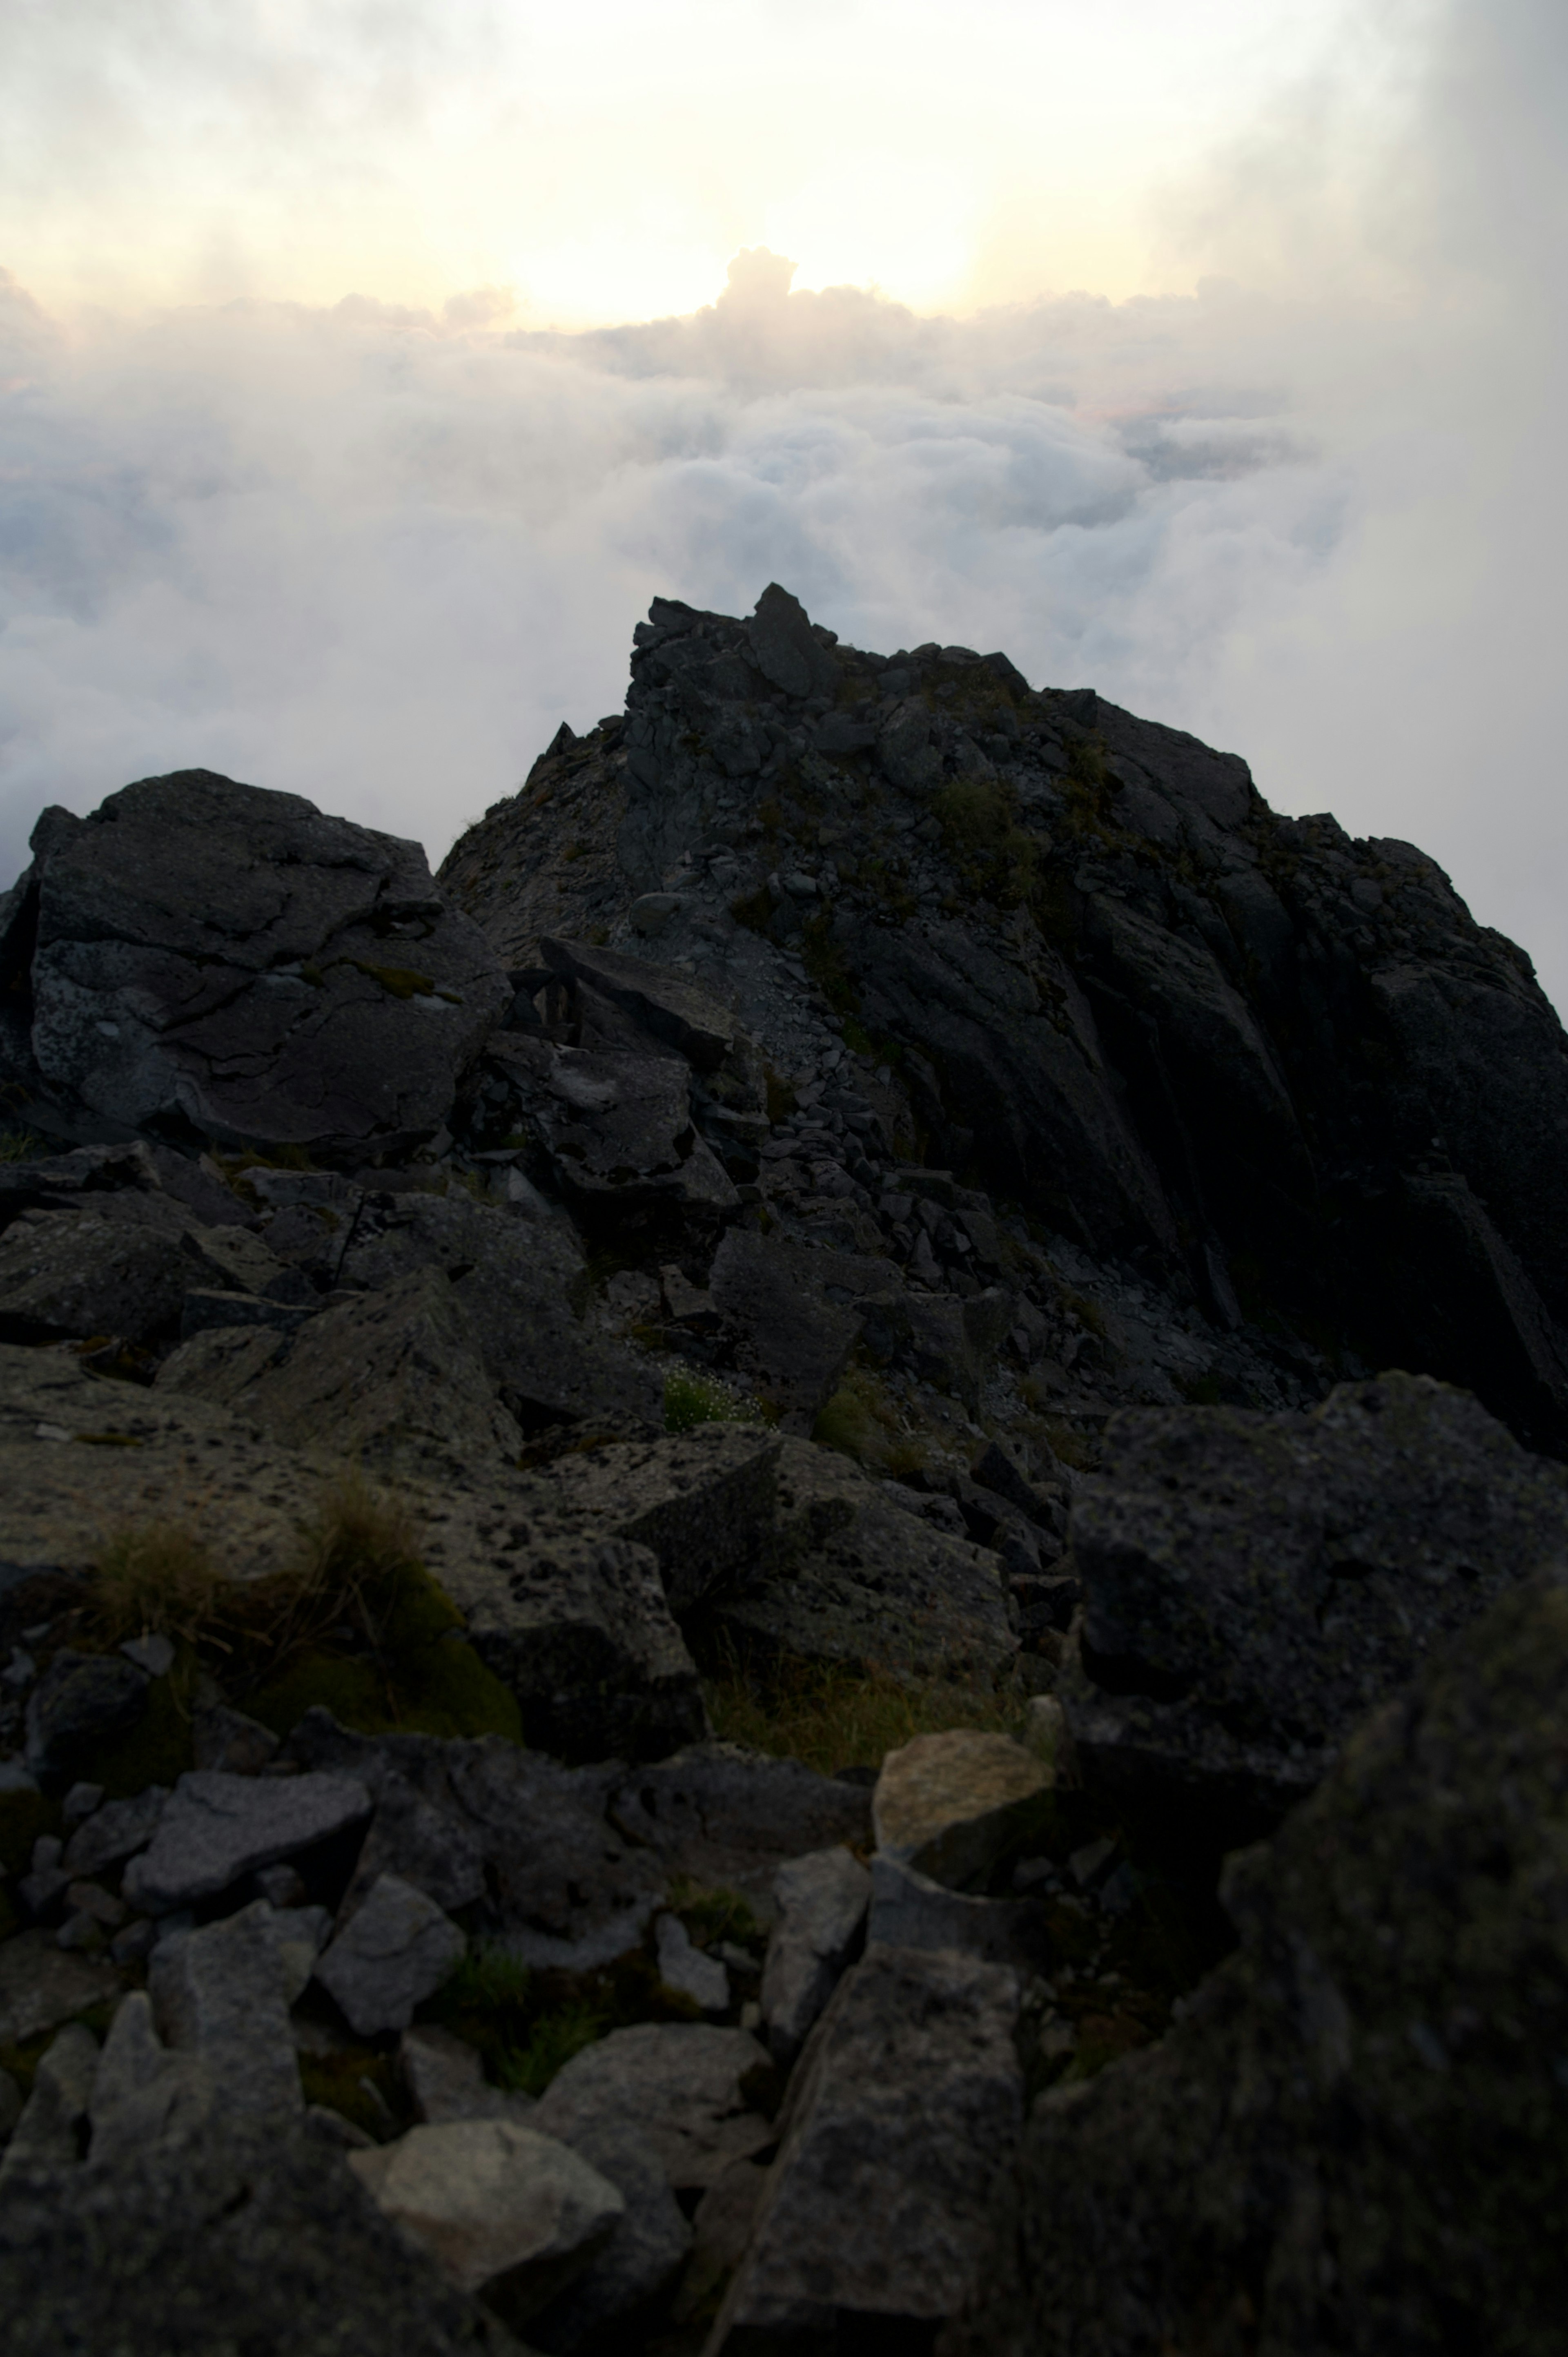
<point x="219" y="1826"/>
<point x="685" y="1968"/>
<point x="154" y="1654"/>
<point x="822" y="1902"/>
<point x="1086" y="1864"/>
<point x="48" y="2133"/>
<point x="281" y="1886"/>
<point x="301" y="1933"/>
<point x="720" y="2231"/>
<point x="1047" y="1735"/>
<point x="507" y="2212"/>
<point x="445" y="2080"/>
<point x="80" y="1801"/>
<point x="227" y="1739"/>
<point x="115" y="1832"/>
<point x="395" y="1952"/>
<point x="949" y="1805"/>
<point x="135" y="1944"/>
<point x="89" y="1898"/>
<point x="80" y="1933"/>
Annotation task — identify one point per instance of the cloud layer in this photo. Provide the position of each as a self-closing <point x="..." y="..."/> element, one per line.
<point x="375" y="556"/>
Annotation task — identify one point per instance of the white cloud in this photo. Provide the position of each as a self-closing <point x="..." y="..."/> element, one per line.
<point x="374" y="556"/>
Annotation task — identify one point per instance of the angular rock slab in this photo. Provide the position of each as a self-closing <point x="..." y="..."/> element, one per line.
<point x="642" y="2255"/>
<point x="42" y="1985"/>
<point x="81" y="1700"/>
<point x="910" y="1911"/>
<point x="878" y="2208"/>
<point x="394" y="1380"/>
<point x="217" y="1828"/>
<point x="505" y="2210"/>
<point x="1254" y="1584"/>
<point x="703" y="1500"/>
<point x="65" y="1274"/>
<point x="577" y="1627"/>
<point x="1353" y="2128"/>
<point x="618" y="1126"/>
<point x="723" y="1817"/>
<point x="220" y="956"/>
<point x="683" y="2084"/>
<point x="949" y="1805"/>
<point x="853" y="1579"/>
<point x="396" y="1950"/>
<point x="822" y="1901"/>
<point x="220" y="1994"/>
<point x="47" y="2133"/>
<point x="513" y="1280"/>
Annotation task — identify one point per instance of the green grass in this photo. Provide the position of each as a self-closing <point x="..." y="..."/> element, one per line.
<point x="20" y="1146"/>
<point x="692" y="1398"/>
<point x="861" y="1421"/>
<point x="715" y="1913"/>
<point x="524" y="2033"/>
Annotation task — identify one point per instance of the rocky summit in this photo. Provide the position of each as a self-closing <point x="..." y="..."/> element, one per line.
<point x="784" y="1573"/>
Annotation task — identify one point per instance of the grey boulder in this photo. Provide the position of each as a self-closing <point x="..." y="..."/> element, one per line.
<point x="221" y="958"/>
<point x="641" y="2257"/>
<point x="396" y="1950"/>
<point x="1254" y="1584"/>
<point x="504" y="2211"/>
<point x="81" y="1700"/>
<point x="822" y="1901"/>
<point x="66" y="1274"/>
<point x="906" y="2111"/>
<point x="217" y="1828"/>
<point x="685" y="2085"/>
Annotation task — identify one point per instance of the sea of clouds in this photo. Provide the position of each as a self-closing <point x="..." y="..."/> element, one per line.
<point x="1313" y="511"/>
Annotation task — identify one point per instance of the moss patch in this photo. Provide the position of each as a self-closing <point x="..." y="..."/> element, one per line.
<point x="692" y="1398"/>
<point x="834" y="1718"/>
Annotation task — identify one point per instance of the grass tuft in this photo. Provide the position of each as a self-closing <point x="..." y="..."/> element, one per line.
<point x="834" y="1718"/>
<point x="692" y="1398"/>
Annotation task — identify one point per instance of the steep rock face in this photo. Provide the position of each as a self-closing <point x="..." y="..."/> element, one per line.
<point x="217" y="961"/>
<point x="1263" y="1059"/>
<point x="1352" y="2139"/>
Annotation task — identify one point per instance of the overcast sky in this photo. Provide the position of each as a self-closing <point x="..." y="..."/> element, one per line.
<point x="366" y="366"/>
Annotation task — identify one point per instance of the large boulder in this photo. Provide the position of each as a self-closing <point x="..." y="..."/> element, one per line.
<point x="1352" y="2138"/>
<point x="849" y="1577"/>
<point x="877" y="2211"/>
<point x="218" y="959"/>
<point x="1254" y="1584"/>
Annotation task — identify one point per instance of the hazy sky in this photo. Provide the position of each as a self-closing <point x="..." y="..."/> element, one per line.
<point x="365" y="367"/>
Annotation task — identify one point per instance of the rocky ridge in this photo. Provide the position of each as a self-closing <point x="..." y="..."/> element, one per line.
<point x="863" y="1177"/>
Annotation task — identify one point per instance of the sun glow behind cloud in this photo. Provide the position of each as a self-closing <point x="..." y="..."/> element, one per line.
<point x="607" y="160"/>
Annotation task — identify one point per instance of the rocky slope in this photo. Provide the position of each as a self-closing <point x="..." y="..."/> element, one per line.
<point x="863" y="1180"/>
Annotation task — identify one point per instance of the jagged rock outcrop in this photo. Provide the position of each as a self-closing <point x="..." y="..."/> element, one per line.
<point x="211" y="961"/>
<point x="1258" y="1056"/>
<point x="863" y="1201"/>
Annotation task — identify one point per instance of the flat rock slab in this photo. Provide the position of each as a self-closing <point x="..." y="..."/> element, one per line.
<point x="223" y="955"/>
<point x="1254" y="1584"/>
<point x="822" y="1901"/>
<point x="880" y="2204"/>
<point x="910" y="1911"/>
<point x="504" y="2209"/>
<point x="220" y="1995"/>
<point x="704" y="1502"/>
<point x="66" y="1274"/>
<point x="1352" y="2128"/>
<point x="514" y="1281"/>
<point x="217" y="1828"/>
<point x="396" y="1950"/>
<point x="792" y="1341"/>
<point x="667" y="1005"/>
<point x="42" y="1985"/>
<point x="949" y="1805"/>
<point x="394" y="1380"/>
<point x="855" y="1579"/>
<point x="726" y="1818"/>
<point x="80" y="1458"/>
<point x="683" y="2084"/>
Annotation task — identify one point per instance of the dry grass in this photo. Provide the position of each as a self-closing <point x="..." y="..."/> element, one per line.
<point x="833" y="1718"/>
<point x="862" y="1421"/>
<point x="159" y="1577"/>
